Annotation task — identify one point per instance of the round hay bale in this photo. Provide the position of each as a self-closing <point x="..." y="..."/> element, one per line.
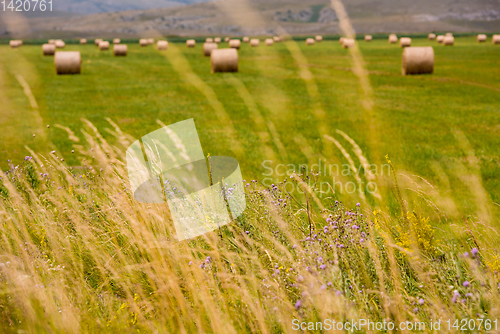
<point x="97" y="41"/>
<point x="318" y="38"/>
<point x="449" y="40"/>
<point x="60" y="44"/>
<point x="431" y="37"/>
<point x="246" y="39"/>
<point x="224" y="60"/>
<point x="120" y="50"/>
<point x="209" y="40"/>
<point x="52" y="41"/>
<point x="481" y="38"/>
<point x="235" y="44"/>
<point x="269" y="41"/>
<point x="151" y="41"/>
<point x="117" y="41"/>
<point x="393" y="38"/>
<point x="190" y="43"/>
<point x="83" y="41"/>
<point x="347" y="43"/>
<point x="440" y="38"/>
<point x="68" y="62"/>
<point x="310" y="41"/>
<point x="418" y="60"/>
<point x="162" y="45"/>
<point x="448" y="34"/>
<point x="104" y="45"/>
<point x="227" y="39"/>
<point x="14" y="43"/>
<point x="404" y="42"/>
<point x="341" y="40"/>
<point x="368" y="38"/>
<point x="254" y="42"/>
<point x="495" y="39"/>
<point x="208" y="48"/>
<point x="48" y="49"/>
<point x="277" y="39"/>
<point x="217" y="40"/>
<point x="143" y="42"/>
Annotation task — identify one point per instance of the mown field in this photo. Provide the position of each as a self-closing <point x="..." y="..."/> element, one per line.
<point x="124" y="269"/>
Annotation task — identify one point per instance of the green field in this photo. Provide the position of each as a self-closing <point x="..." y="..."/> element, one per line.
<point x="267" y="110"/>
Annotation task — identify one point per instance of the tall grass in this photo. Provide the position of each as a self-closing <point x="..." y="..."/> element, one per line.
<point x="78" y="254"/>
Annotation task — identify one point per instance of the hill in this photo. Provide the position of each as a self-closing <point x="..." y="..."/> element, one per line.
<point x="259" y="17"/>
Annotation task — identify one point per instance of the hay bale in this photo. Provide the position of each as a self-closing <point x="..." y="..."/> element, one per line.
<point x="318" y="38"/>
<point x="277" y="39"/>
<point x="208" y="48"/>
<point x="224" y="60"/>
<point x="217" y="40"/>
<point x="269" y="41"/>
<point x="190" y="43"/>
<point x="117" y="41"/>
<point x="151" y="41"/>
<point x="448" y="34"/>
<point x="246" y="39"/>
<point x="481" y="38"/>
<point x="104" y="45"/>
<point x="347" y="43"/>
<point x="235" y="44"/>
<point x="404" y="42"/>
<point x="209" y="40"/>
<point x="97" y="41"/>
<point x="310" y="41"/>
<point x="52" y="41"/>
<point x="120" y="50"/>
<point x="418" y="60"/>
<point x="440" y="38"/>
<point x="495" y="39"/>
<point x="227" y="39"/>
<point x="83" y="41"/>
<point x="162" y="45"/>
<point x="143" y="42"/>
<point x="254" y="42"/>
<point x="341" y="40"/>
<point x="48" y="49"/>
<point x="368" y="38"/>
<point x="60" y="44"/>
<point x="448" y="40"/>
<point x="431" y="37"/>
<point x="393" y="38"/>
<point x="14" y="43"/>
<point x="68" y="62"/>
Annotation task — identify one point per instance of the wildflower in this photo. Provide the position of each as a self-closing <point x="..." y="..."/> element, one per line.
<point x="466" y="254"/>
<point x="323" y="287"/>
<point x="455" y="296"/>
<point x="294" y="246"/>
<point x="421" y="301"/>
<point x="474" y="251"/>
<point x="415" y="310"/>
<point x="322" y="267"/>
<point x="247" y="232"/>
<point x="320" y="259"/>
<point x="298" y="304"/>
<point x="466" y="283"/>
<point x="277" y="271"/>
<point x="190" y="262"/>
<point x="358" y="205"/>
<point x="208" y="259"/>
<point x="338" y="292"/>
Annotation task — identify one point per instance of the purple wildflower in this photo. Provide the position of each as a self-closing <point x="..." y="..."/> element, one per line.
<point x="298" y="304"/>
<point x="474" y="251"/>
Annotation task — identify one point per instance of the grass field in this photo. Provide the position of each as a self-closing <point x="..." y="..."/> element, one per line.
<point x="415" y="119"/>
<point x="108" y="263"/>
